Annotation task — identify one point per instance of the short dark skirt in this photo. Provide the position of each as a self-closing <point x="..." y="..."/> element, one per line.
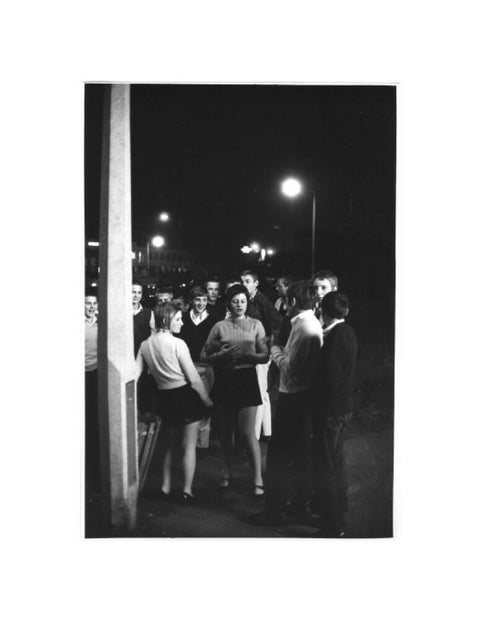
<point x="180" y="406"/>
<point x="237" y="388"/>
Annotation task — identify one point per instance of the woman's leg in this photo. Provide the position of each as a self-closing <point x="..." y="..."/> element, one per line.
<point x="165" y="440"/>
<point x="228" y="423"/>
<point x="246" y="425"/>
<point x="189" y="444"/>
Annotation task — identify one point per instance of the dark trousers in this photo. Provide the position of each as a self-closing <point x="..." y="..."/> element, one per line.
<point x="289" y="452"/>
<point x="329" y="482"/>
<point x="92" y="432"/>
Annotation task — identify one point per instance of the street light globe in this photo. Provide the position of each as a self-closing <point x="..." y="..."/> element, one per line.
<point x="270" y="252"/>
<point x="291" y="187"/>
<point x="164" y="217"/>
<point x="255" y="247"/>
<point x="158" y="241"/>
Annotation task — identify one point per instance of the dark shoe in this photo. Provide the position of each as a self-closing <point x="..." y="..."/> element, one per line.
<point x="330" y="533"/>
<point x="268" y="518"/>
<point x="164" y="496"/>
<point x="298" y="511"/>
<point x="188" y="499"/>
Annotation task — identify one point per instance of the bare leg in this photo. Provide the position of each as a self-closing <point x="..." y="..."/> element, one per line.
<point x="189" y="444"/>
<point x="246" y="424"/>
<point x="227" y="437"/>
<point x="166" y="449"/>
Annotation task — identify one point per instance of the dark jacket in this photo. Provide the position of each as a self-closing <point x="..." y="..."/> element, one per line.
<point x="261" y="308"/>
<point x="333" y="392"/>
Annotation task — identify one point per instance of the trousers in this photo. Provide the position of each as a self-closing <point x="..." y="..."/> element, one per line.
<point x="288" y="458"/>
<point x="329" y="480"/>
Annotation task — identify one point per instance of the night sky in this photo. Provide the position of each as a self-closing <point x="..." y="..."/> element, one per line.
<point x="213" y="157"/>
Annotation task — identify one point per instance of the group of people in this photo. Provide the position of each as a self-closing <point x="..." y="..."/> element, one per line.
<point x="224" y="351"/>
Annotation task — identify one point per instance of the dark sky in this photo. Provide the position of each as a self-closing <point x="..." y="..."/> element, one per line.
<point x="213" y="157"/>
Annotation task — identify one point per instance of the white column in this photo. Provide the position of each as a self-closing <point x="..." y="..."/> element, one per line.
<point x="118" y="424"/>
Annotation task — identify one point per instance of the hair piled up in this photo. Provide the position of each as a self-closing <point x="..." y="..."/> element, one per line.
<point x="235" y="289"/>
<point x="335" y="305"/>
<point x="164" y="313"/>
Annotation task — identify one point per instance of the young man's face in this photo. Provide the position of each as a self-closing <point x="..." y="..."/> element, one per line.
<point x="213" y="289"/>
<point x="322" y="287"/>
<point x="250" y="284"/>
<point x="163" y="297"/>
<point x="199" y="304"/>
<point x="90" y="306"/>
<point x="136" y="293"/>
<point x="281" y="288"/>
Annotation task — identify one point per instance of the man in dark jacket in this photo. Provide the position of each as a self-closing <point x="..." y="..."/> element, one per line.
<point x="331" y="412"/>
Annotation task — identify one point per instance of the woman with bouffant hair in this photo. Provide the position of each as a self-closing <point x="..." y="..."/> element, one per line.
<point x="182" y="400"/>
<point x="234" y="346"/>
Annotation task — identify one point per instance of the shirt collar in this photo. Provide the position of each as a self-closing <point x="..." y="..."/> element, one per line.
<point x="140" y="307"/>
<point x="90" y="321"/>
<point x="198" y="318"/>
<point x="328" y="329"/>
<point x="304" y="314"/>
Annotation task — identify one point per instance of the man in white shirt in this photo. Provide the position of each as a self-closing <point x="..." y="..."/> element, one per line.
<point x="290" y="444"/>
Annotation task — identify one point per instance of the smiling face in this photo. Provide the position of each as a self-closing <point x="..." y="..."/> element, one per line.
<point x="322" y="287"/>
<point x="250" y="284"/>
<point x="213" y="289"/>
<point x="176" y="323"/>
<point x="238" y="305"/>
<point x="90" y="306"/>
<point x="199" y="304"/>
<point x="136" y="294"/>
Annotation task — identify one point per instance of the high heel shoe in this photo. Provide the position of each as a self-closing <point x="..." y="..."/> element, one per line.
<point x="258" y="491"/>
<point x="188" y="499"/>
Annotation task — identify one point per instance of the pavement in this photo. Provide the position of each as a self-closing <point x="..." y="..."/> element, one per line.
<point x="368" y="455"/>
<point x="218" y="513"/>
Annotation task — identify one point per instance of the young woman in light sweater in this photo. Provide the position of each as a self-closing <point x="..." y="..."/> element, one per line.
<point x="182" y="400"/>
<point x="234" y="346"/>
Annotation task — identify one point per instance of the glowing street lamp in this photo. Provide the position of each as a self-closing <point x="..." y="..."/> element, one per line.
<point x="157" y="242"/>
<point x="164" y="217"/>
<point x="291" y="188"/>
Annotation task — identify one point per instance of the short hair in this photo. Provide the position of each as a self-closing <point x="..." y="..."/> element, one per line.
<point x="304" y="294"/>
<point x="197" y="291"/>
<point x="91" y="291"/>
<point x="164" y="313"/>
<point x="249" y="272"/>
<point x="213" y="279"/>
<point x="286" y="279"/>
<point x="235" y="289"/>
<point x="326" y="274"/>
<point x="335" y="305"/>
<point x="137" y="283"/>
<point x="160" y="288"/>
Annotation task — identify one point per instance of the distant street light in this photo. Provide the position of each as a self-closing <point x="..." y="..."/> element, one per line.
<point x="255" y="247"/>
<point x="292" y="188"/>
<point x="157" y="242"/>
<point x="164" y="217"/>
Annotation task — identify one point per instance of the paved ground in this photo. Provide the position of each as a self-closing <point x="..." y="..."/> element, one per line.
<point x="368" y="448"/>
<point x="369" y="461"/>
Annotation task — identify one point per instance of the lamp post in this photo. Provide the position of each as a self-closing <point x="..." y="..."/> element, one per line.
<point x="292" y="188"/>
<point x="157" y="242"/>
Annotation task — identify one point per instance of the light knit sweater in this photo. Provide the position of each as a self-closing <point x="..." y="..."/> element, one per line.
<point x="168" y="360"/>
<point x="245" y="333"/>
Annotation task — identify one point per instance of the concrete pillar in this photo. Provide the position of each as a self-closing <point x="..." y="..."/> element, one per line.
<point x="118" y="424"/>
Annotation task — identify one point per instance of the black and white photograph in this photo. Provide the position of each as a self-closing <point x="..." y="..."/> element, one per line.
<point x="239" y="328"/>
<point x="239" y="310"/>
